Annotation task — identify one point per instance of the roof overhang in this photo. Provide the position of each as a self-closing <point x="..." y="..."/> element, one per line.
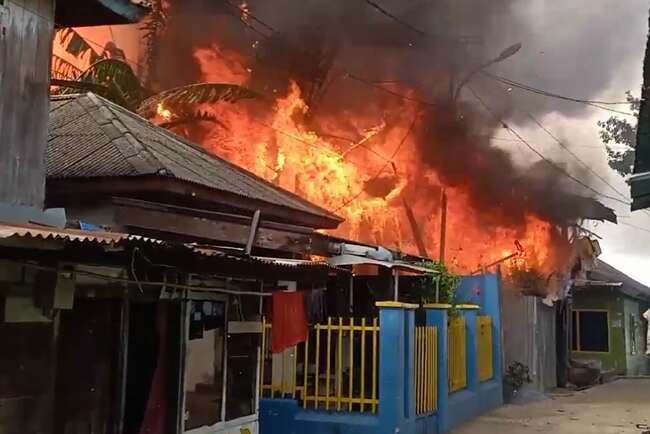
<point x="80" y="13"/>
<point x="61" y="190"/>
<point x="347" y="260"/>
<point x="640" y="189"/>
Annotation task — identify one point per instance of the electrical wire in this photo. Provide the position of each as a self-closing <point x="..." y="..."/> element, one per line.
<point x="396" y="18"/>
<point x="510" y="82"/>
<point x="598" y="104"/>
<point x="390" y="161"/>
<point x="539" y="154"/>
<point x="430" y="104"/>
<point x="578" y="159"/>
<point x="162" y="284"/>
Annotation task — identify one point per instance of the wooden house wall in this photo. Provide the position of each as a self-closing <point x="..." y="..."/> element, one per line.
<point x="26" y="31"/>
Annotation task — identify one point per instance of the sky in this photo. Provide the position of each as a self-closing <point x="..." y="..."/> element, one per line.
<point x="590" y="49"/>
<point x="623" y="246"/>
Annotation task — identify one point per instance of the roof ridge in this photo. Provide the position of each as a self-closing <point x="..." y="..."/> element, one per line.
<point x="141" y="157"/>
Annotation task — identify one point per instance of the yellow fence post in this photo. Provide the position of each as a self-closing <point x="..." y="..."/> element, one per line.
<point x="426" y="369"/>
<point x="457" y="357"/>
<point x="486" y="370"/>
<point x="335" y="395"/>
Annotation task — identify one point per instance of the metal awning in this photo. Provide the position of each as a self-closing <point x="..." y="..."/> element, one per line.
<point x="342" y="260"/>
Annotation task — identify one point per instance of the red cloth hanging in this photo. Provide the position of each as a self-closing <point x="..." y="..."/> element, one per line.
<point x="289" y="320"/>
<point x="155" y="417"/>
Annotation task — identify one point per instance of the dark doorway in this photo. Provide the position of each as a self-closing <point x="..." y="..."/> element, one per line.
<point x="591" y="331"/>
<point x="151" y="399"/>
<point x="87" y="366"/>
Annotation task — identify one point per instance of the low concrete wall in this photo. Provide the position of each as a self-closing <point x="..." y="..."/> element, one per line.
<point x="396" y="411"/>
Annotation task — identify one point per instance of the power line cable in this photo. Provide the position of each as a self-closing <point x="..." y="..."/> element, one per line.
<point x="425" y="103"/>
<point x="578" y="159"/>
<point x="390" y="161"/>
<point x="547" y="93"/>
<point x="542" y="156"/>
<point x="596" y="104"/>
<point x="593" y="103"/>
<point x="395" y="18"/>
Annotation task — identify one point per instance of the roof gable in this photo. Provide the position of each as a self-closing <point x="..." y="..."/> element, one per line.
<point x="606" y="273"/>
<point x="90" y="137"/>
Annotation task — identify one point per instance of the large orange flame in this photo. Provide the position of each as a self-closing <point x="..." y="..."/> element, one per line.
<point x="369" y="182"/>
<point x="371" y="178"/>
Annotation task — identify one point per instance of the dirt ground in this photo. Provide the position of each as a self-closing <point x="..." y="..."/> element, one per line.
<point x="620" y="407"/>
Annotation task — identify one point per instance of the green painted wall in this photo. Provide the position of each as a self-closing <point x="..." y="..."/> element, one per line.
<point x="613" y="302"/>
<point x="627" y="330"/>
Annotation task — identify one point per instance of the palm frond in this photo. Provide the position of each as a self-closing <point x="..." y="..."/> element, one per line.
<point x="63" y="69"/>
<point x="117" y="75"/>
<point x="75" y="44"/>
<point x="74" y="86"/>
<point x="186" y="116"/>
<point x="199" y="93"/>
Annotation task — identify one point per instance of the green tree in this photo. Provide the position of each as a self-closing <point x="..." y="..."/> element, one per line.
<point x="619" y="136"/>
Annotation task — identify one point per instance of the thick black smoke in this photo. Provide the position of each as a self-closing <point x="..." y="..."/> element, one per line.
<point x="566" y="48"/>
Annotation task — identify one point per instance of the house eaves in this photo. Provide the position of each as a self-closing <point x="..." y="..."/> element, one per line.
<point x="80" y="13"/>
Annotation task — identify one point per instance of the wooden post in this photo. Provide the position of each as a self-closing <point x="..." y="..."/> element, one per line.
<point x="443" y="223"/>
<point x="253" y="232"/>
<point x="415" y="228"/>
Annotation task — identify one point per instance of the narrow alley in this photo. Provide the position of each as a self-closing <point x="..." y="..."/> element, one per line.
<point x="620" y="407"/>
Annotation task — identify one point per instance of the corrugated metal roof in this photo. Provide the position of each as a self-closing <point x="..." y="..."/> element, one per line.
<point x="89" y="136"/>
<point x="8" y="231"/>
<point x="347" y="259"/>
<point x="267" y="260"/>
<point x="606" y="273"/>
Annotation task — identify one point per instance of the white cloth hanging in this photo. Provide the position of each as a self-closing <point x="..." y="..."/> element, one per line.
<point x="646" y="315"/>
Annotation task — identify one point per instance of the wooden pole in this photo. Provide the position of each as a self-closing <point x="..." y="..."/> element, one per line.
<point x="415" y="228"/>
<point x="443" y="223"/>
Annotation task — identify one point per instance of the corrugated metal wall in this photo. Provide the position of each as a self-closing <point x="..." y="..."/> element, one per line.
<point x="529" y="336"/>
<point x="26" y="30"/>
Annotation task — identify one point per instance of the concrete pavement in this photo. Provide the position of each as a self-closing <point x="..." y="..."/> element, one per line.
<point x="612" y="408"/>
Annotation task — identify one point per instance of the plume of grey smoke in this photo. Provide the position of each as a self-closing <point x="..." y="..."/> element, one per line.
<point x="568" y="47"/>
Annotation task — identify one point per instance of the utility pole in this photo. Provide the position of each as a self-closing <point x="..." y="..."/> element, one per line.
<point x="443" y="223"/>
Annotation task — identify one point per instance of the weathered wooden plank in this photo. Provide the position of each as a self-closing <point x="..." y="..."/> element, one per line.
<point x="25" y="50"/>
<point x="204" y="229"/>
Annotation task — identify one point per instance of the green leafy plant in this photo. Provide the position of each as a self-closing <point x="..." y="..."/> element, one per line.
<point x="517" y="375"/>
<point x="528" y="280"/>
<point x="440" y="286"/>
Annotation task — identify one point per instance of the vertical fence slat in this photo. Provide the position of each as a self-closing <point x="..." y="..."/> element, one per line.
<point x="317" y="374"/>
<point x="457" y="356"/>
<point x="432" y="373"/>
<point x="418" y="369"/>
<point x="351" y="376"/>
<point x="339" y="365"/>
<point x="328" y="363"/>
<point x="486" y="370"/>
<point x="335" y="398"/>
<point x="305" y="377"/>
<point x="263" y="356"/>
<point x="375" y="332"/>
<point x="363" y="364"/>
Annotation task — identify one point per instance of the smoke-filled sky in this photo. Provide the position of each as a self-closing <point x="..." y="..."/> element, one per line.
<point x="581" y="48"/>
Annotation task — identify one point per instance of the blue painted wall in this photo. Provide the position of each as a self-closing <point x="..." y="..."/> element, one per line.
<point x="396" y="410"/>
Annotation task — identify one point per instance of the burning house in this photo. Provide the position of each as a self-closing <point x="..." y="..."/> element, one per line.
<point x="404" y="164"/>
